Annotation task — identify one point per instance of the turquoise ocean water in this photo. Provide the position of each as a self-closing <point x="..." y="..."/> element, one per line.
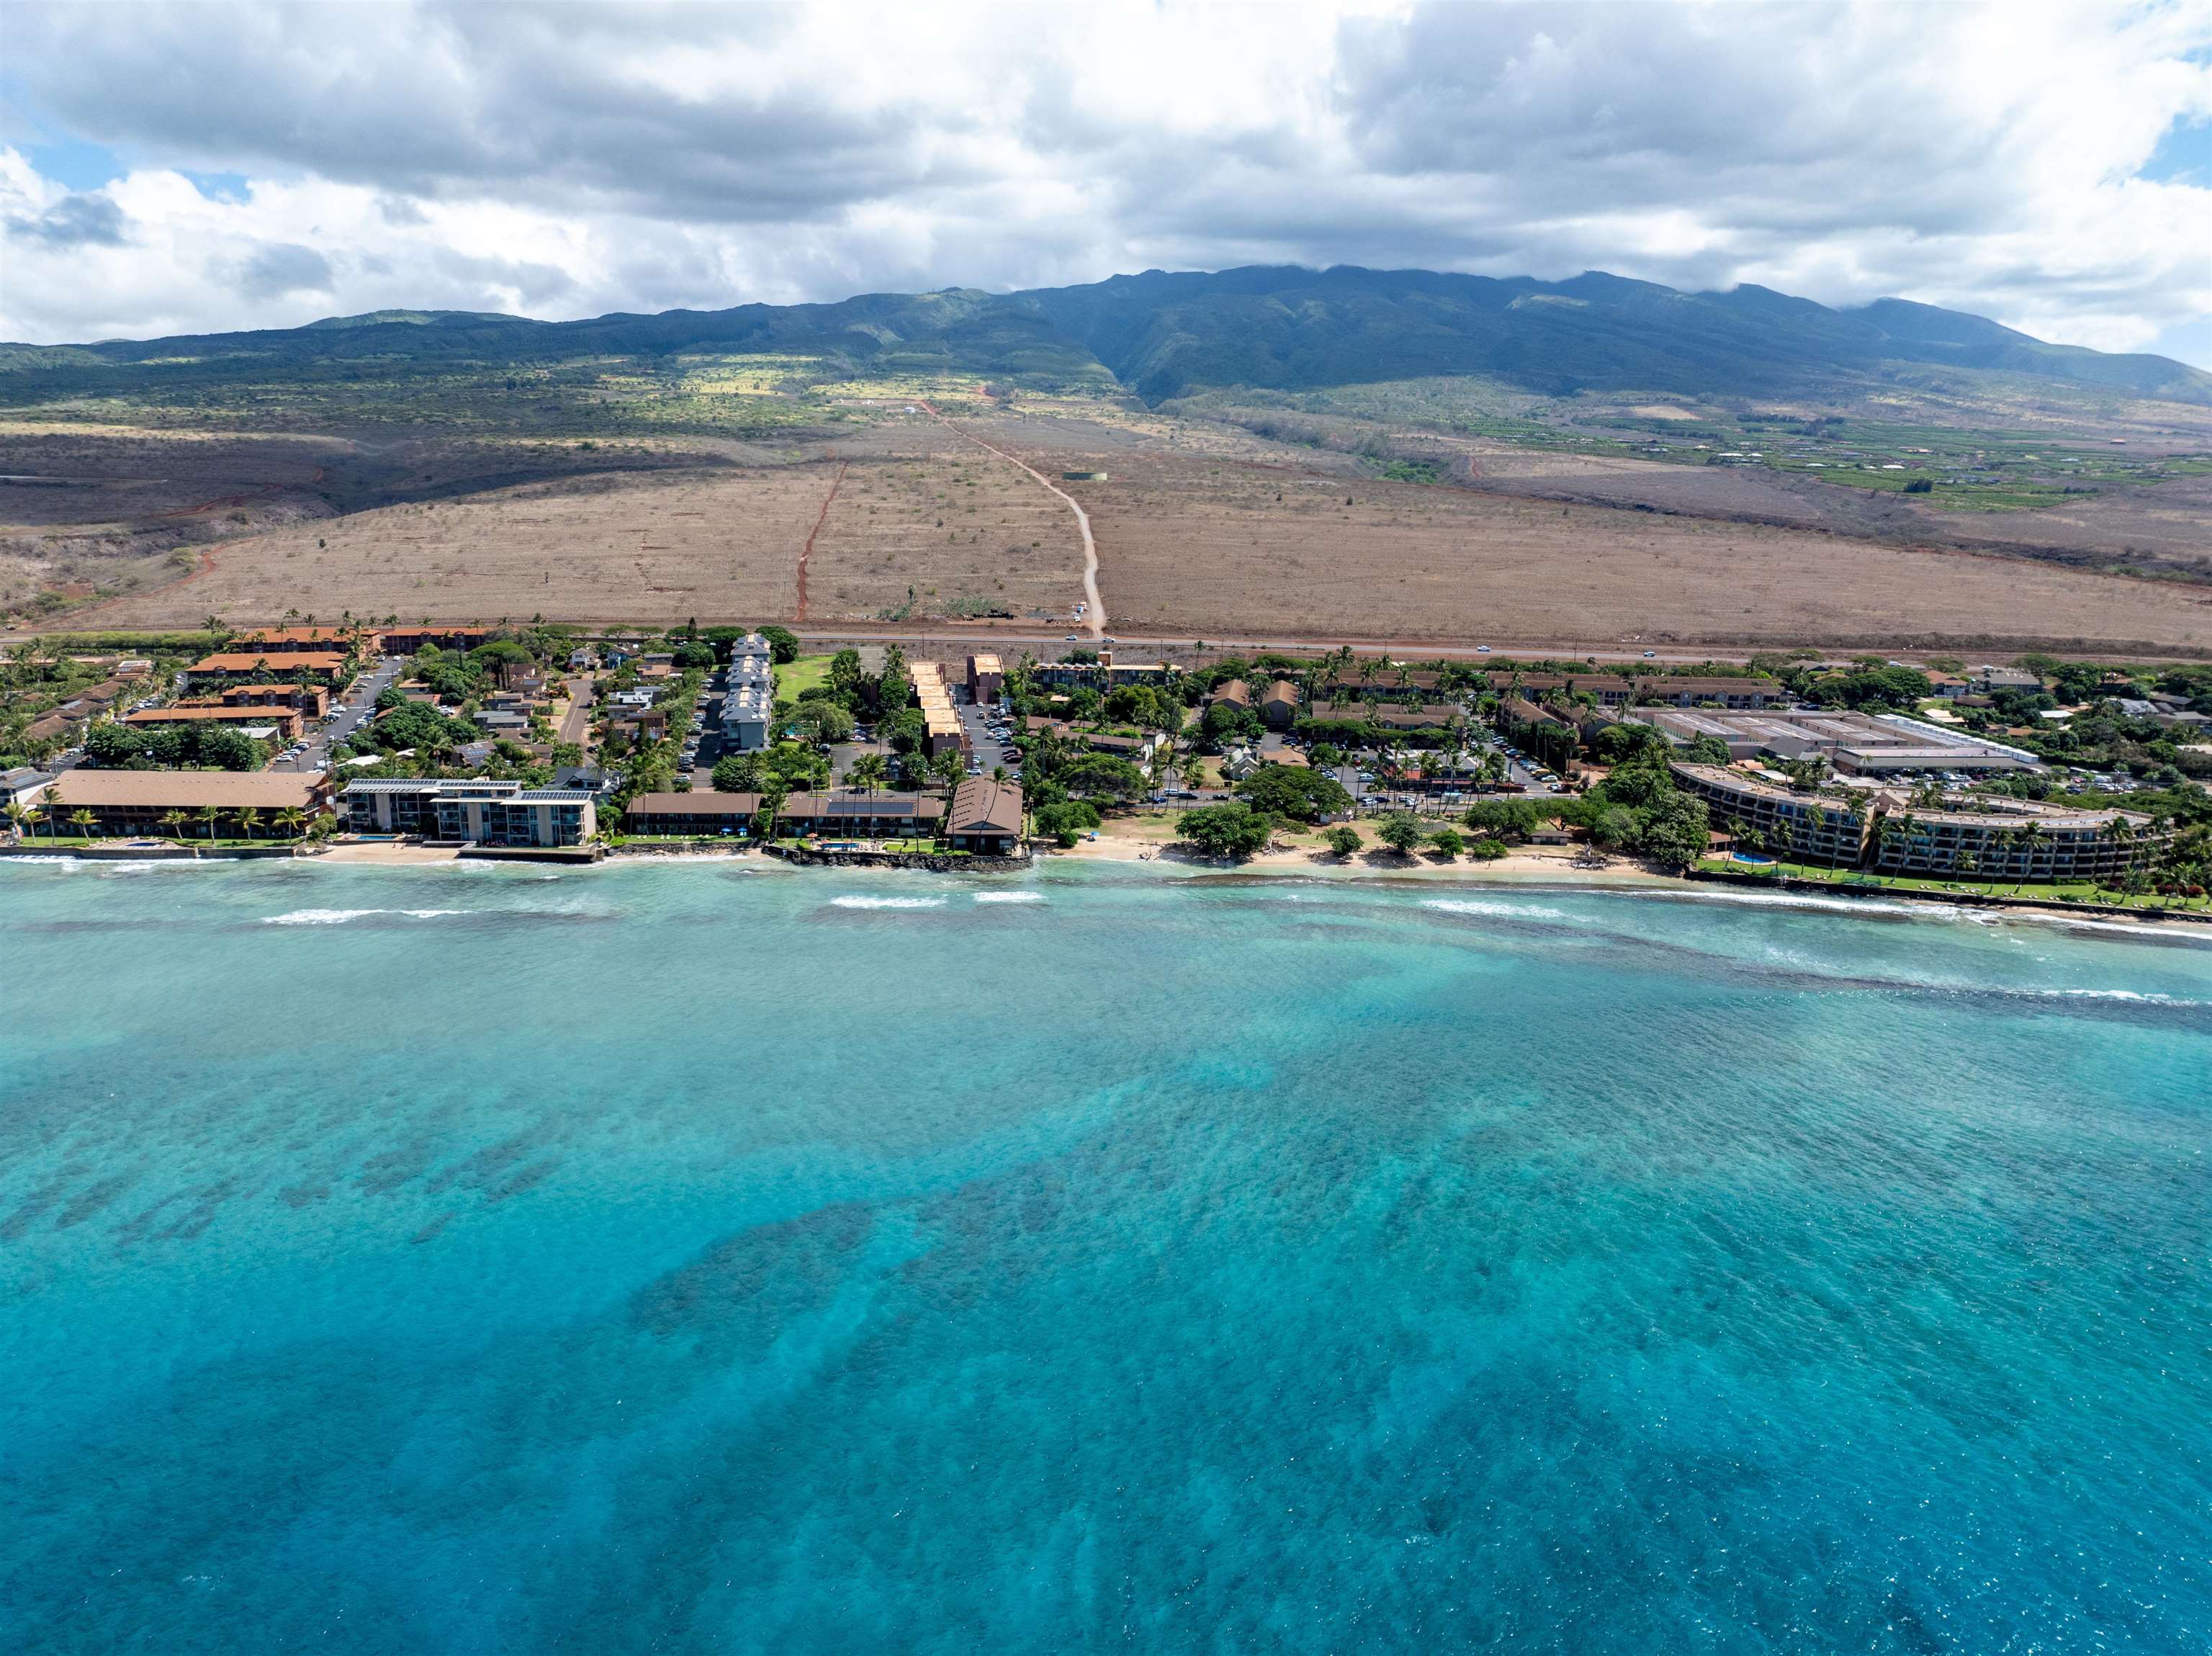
<point x="723" y="1258"/>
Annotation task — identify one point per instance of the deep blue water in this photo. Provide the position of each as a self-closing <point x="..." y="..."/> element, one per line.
<point x="686" y="1258"/>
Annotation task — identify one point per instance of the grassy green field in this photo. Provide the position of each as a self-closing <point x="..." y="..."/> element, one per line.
<point x="807" y="673"/>
<point x="2071" y="891"/>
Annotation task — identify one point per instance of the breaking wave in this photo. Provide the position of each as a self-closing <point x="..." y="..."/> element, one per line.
<point x="1513" y="911"/>
<point x="340" y="916"/>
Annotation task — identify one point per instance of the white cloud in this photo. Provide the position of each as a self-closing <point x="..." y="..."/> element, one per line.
<point x="570" y="159"/>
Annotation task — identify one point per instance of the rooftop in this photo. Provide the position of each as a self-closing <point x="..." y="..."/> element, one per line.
<point x="232" y="789"/>
<point x="700" y="802"/>
<point x="276" y="661"/>
<point x="981" y="806"/>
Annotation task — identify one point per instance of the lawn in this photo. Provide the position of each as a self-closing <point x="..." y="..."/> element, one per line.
<point x="804" y="674"/>
<point x="2072" y="891"/>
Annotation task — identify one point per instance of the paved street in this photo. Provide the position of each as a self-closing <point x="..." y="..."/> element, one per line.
<point x="984" y="748"/>
<point x="576" y="723"/>
<point x="346" y="717"/>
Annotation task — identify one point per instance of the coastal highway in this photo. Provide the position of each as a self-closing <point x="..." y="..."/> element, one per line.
<point x="1048" y="639"/>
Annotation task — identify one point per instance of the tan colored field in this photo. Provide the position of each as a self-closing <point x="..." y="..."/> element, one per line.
<point x="914" y="506"/>
<point x="1256" y="542"/>
<point x="1195" y="546"/>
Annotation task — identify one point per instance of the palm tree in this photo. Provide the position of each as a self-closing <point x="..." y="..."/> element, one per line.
<point x="174" y="820"/>
<point x="947" y="769"/>
<point x="2027" y="837"/>
<point x="211" y="814"/>
<point x="15" y="812"/>
<point x="81" y="820"/>
<point x="292" y="819"/>
<point x="248" y="819"/>
<point x="50" y="796"/>
<point x="2121" y="833"/>
<point x="868" y="772"/>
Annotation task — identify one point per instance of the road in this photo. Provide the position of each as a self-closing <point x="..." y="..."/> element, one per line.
<point x="576" y="723"/>
<point x="984" y="748"/>
<point x="984" y="635"/>
<point x="1095" y="611"/>
<point x="346" y="718"/>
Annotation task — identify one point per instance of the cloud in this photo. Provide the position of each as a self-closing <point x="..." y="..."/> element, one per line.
<point x="73" y="221"/>
<point x="285" y="268"/>
<point x="574" y="158"/>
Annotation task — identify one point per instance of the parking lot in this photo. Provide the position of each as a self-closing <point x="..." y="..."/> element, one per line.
<point x="311" y="752"/>
<point x="987" y="750"/>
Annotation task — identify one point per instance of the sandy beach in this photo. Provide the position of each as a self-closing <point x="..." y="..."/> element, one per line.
<point x="388" y="854"/>
<point x="1144" y="839"/>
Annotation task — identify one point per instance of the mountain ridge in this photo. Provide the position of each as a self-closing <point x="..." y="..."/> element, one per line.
<point x="1163" y="333"/>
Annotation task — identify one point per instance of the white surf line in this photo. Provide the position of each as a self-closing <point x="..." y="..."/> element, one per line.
<point x="1095" y="607"/>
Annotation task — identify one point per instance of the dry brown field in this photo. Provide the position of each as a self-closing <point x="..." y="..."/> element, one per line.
<point x="906" y="506"/>
<point x="1190" y="545"/>
<point x="1218" y="537"/>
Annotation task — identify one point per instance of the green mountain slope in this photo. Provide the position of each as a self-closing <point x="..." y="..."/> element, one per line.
<point x="1164" y="334"/>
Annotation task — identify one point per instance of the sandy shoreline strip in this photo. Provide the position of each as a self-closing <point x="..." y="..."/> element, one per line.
<point x="1145" y="843"/>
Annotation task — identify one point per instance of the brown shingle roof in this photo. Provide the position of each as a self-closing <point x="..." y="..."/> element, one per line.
<point x="982" y="806"/>
<point x="163" y="789"/>
<point x="276" y="661"/>
<point x="700" y="802"/>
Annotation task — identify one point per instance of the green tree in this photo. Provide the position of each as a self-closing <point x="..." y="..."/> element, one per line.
<point x="783" y="645"/>
<point x="1102" y="776"/>
<point x="946" y="769"/>
<point x="1343" y="840"/>
<point x="1447" y="843"/>
<point x="824" y="722"/>
<point x="1675" y="832"/>
<point x="1230" y="830"/>
<point x="1402" y="831"/>
<point x="81" y="820"/>
<point x="1067" y="822"/>
<point x="211" y="814"/>
<point x="868" y="772"/>
<point x="1295" y="791"/>
<point x="739" y="773"/>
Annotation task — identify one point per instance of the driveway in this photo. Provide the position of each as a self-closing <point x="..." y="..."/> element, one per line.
<point x="346" y="718"/>
<point x="984" y="748"/>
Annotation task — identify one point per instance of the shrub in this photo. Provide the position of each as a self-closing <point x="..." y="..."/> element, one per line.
<point x="1343" y="840"/>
